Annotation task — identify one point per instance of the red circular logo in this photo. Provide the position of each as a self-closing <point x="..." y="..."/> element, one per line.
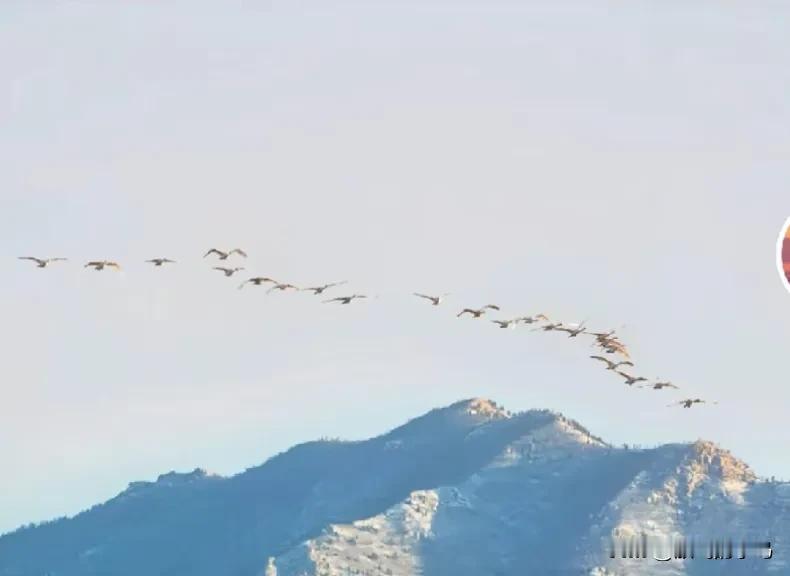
<point x="783" y="254"/>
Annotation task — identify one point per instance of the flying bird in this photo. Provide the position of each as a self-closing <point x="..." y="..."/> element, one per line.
<point x="506" y="323"/>
<point x="435" y="300"/>
<point x="282" y="287"/>
<point x="533" y="319"/>
<point x="603" y="335"/>
<point x="316" y="290"/>
<point x="224" y="255"/>
<point x="477" y="312"/>
<point x="612" y="365"/>
<point x="613" y="346"/>
<point x="551" y="327"/>
<point x="228" y="271"/>
<point x="631" y="380"/>
<point x="42" y="262"/>
<point x="573" y="331"/>
<point x="160" y="261"/>
<point x="687" y="403"/>
<point x="345" y="299"/>
<point x="99" y="265"/>
<point x="257" y="281"/>
<point x="659" y="385"/>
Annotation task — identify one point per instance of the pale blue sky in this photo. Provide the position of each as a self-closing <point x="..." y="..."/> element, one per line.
<point x="624" y="162"/>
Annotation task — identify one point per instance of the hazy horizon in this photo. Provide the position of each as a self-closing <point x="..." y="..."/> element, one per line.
<point x="620" y="163"/>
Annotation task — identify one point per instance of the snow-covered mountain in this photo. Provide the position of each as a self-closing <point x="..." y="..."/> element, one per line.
<point x="467" y="489"/>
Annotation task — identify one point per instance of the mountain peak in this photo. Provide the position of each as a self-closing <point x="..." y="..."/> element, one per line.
<point x="484" y="407"/>
<point x="709" y="462"/>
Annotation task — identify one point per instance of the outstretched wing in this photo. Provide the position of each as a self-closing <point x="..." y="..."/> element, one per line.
<point x="33" y="258"/>
<point x="238" y="251"/>
<point x="422" y="296"/>
<point x="602" y="359"/>
<point x="214" y="251"/>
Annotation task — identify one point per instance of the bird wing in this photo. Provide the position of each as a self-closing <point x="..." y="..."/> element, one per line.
<point x="221" y="269"/>
<point x="113" y="265"/>
<point x="491" y="306"/>
<point x="238" y="251"/>
<point x="338" y="299"/>
<point x="465" y="311"/>
<point x="423" y="296"/>
<point x="602" y="359"/>
<point x="33" y="258"/>
<point x="58" y="259"/>
<point x="214" y="251"/>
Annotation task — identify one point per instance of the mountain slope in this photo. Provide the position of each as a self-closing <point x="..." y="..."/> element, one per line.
<point x="467" y="489"/>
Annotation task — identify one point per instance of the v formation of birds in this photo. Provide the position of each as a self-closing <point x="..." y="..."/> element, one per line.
<point x="612" y="357"/>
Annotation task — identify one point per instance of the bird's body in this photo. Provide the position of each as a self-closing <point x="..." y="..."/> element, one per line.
<point x="317" y="290"/>
<point x="345" y="299"/>
<point x="257" y="281"/>
<point x="222" y="255"/>
<point x="228" y="271"/>
<point x="435" y="300"/>
<point x="612" y="365"/>
<point x="282" y="287"/>
<point x="477" y="312"/>
<point x="160" y="261"/>
<point x="100" y="265"/>
<point x="629" y="379"/>
<point x="42" y="262"/>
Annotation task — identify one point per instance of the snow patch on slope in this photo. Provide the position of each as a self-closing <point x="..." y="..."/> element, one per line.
<point x="383" y="545"/>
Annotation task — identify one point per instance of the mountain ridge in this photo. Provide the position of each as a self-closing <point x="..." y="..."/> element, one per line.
<point x="427" y="485"/>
